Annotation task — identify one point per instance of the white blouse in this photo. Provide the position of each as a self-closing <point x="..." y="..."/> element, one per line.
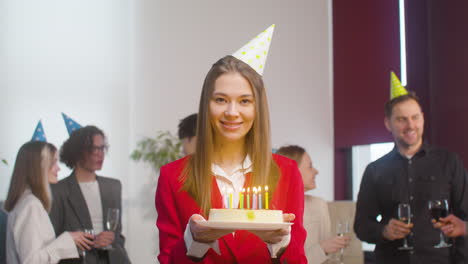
<point x="31" y="236"/>
<point x="228" y="183"/>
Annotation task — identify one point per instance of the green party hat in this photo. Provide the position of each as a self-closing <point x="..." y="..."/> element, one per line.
<point x="396" y="89"/>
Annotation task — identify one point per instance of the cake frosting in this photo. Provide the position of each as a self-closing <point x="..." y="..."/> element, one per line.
<point x="246" y="216"/>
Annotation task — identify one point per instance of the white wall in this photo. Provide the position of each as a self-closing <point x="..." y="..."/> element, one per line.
<point x="135" y="67"/>
<point x="64" y="56"/>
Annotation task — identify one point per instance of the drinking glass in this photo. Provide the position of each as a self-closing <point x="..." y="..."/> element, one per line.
<point x="404" y="215"/>
<point x="342" y="228"/>
<point x="438" y="209"/>
<point x="83" y="252"/>
<point x="112" y="222"/>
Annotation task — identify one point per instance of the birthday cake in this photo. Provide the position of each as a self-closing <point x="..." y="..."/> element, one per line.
<point x="246" y="216"/>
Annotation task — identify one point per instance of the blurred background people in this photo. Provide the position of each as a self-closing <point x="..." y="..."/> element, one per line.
<point x="319" y="242"/>
<point x="30" y="235"/>
<point x="83" y="199"/>
<point x="186" y="132"/>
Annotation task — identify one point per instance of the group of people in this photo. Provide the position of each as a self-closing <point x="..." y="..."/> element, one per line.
<point x="319" y="245"/>
<point x="228" y="147"/>
<point x="233" y="150"/>
<point x="48" y="219"/>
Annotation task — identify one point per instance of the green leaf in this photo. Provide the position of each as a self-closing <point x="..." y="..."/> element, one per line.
<point x="4" y="161"/>
<point x="158" y="151"/>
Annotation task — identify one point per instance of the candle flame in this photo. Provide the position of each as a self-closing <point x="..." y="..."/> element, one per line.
<point x="255" y="190"/>
<point x="248" y="189"/>
<point x="243" y="189"/>
<point x="266" y="188"/>
<point x="259" y="188"/>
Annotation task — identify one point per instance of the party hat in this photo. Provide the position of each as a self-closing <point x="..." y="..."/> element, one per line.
<point x="39" y="134"/>
<point x="71" y="124"/>
<point x="396" y="89"/>
<point x="255" y="52"/>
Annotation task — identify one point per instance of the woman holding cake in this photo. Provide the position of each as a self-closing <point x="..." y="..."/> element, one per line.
<point x="319" y="243"/>
<point x="233" y="152"/>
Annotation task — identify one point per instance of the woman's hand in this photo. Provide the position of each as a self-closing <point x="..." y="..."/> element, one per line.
<point x="205" y="234"/>
<point x="334" y="244"/>
<point x="275" y="236"/>
<point x="104" y="239"/>
<point x="82" y="240"/>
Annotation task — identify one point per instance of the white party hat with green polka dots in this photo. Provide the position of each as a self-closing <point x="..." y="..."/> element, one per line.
<point x="255" y="52"/>
<point x="396" y="89"/>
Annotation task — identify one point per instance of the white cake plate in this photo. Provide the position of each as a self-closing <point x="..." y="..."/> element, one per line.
<point x="243" y="225"/>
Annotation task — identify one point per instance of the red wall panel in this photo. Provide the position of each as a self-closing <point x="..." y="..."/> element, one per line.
<point x="365" y="49"/>
<point x="448" y="51"/>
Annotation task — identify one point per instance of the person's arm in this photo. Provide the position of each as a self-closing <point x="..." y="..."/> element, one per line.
<point x="366" y="226"/>
<point x="329" y="243"/>
<point x="293" y="198"/>
<point x="32" y="245"/>
<point x="452" y="226"/>
<point x="172" y="245"/>
<point x="459" y="204"/>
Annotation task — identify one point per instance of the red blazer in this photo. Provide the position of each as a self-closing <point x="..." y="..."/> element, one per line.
<point x="175" y="207"/>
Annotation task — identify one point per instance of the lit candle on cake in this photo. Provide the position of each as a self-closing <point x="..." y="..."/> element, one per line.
<point x="266" y="197"/>
<point x="260" y="197"/>
<point x="248" y="198"/>
<point x="254" y="199"/>
<point x="231" y="205"/>
<point x="223" y="197"/>
<point x="241" y="199"/>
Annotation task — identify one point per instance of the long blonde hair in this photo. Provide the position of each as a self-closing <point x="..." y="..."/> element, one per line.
<point x="32" y="166"/>
<point x="197" y="175"/>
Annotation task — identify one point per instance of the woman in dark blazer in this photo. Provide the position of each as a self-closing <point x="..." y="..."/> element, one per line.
<point x="82" y="199"/>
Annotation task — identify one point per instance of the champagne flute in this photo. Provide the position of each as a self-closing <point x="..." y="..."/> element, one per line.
<point x="342" y="228"/>
<point x="112" y="222"/>
<point x="404" y="215"/>
<point x="438" y="209"/>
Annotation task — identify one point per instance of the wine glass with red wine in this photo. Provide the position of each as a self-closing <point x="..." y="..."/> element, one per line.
<point x="438" y="209"/>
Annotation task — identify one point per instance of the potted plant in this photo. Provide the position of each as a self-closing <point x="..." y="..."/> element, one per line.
<point x="158" y="151"/>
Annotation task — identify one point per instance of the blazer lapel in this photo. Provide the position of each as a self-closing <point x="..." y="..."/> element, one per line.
<point x="78" y="202"/>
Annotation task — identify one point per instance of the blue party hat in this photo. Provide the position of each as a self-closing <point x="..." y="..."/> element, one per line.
<point x="71" y="124"/>
<point x="39" y="134"/>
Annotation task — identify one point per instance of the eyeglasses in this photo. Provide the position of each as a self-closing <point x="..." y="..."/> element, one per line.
<point x="96" y="149"/>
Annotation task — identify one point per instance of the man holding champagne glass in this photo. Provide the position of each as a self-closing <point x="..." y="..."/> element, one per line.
<point x="423" y="178"/>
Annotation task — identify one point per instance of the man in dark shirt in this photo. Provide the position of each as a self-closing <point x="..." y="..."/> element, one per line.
<point x="413" y="173"/>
